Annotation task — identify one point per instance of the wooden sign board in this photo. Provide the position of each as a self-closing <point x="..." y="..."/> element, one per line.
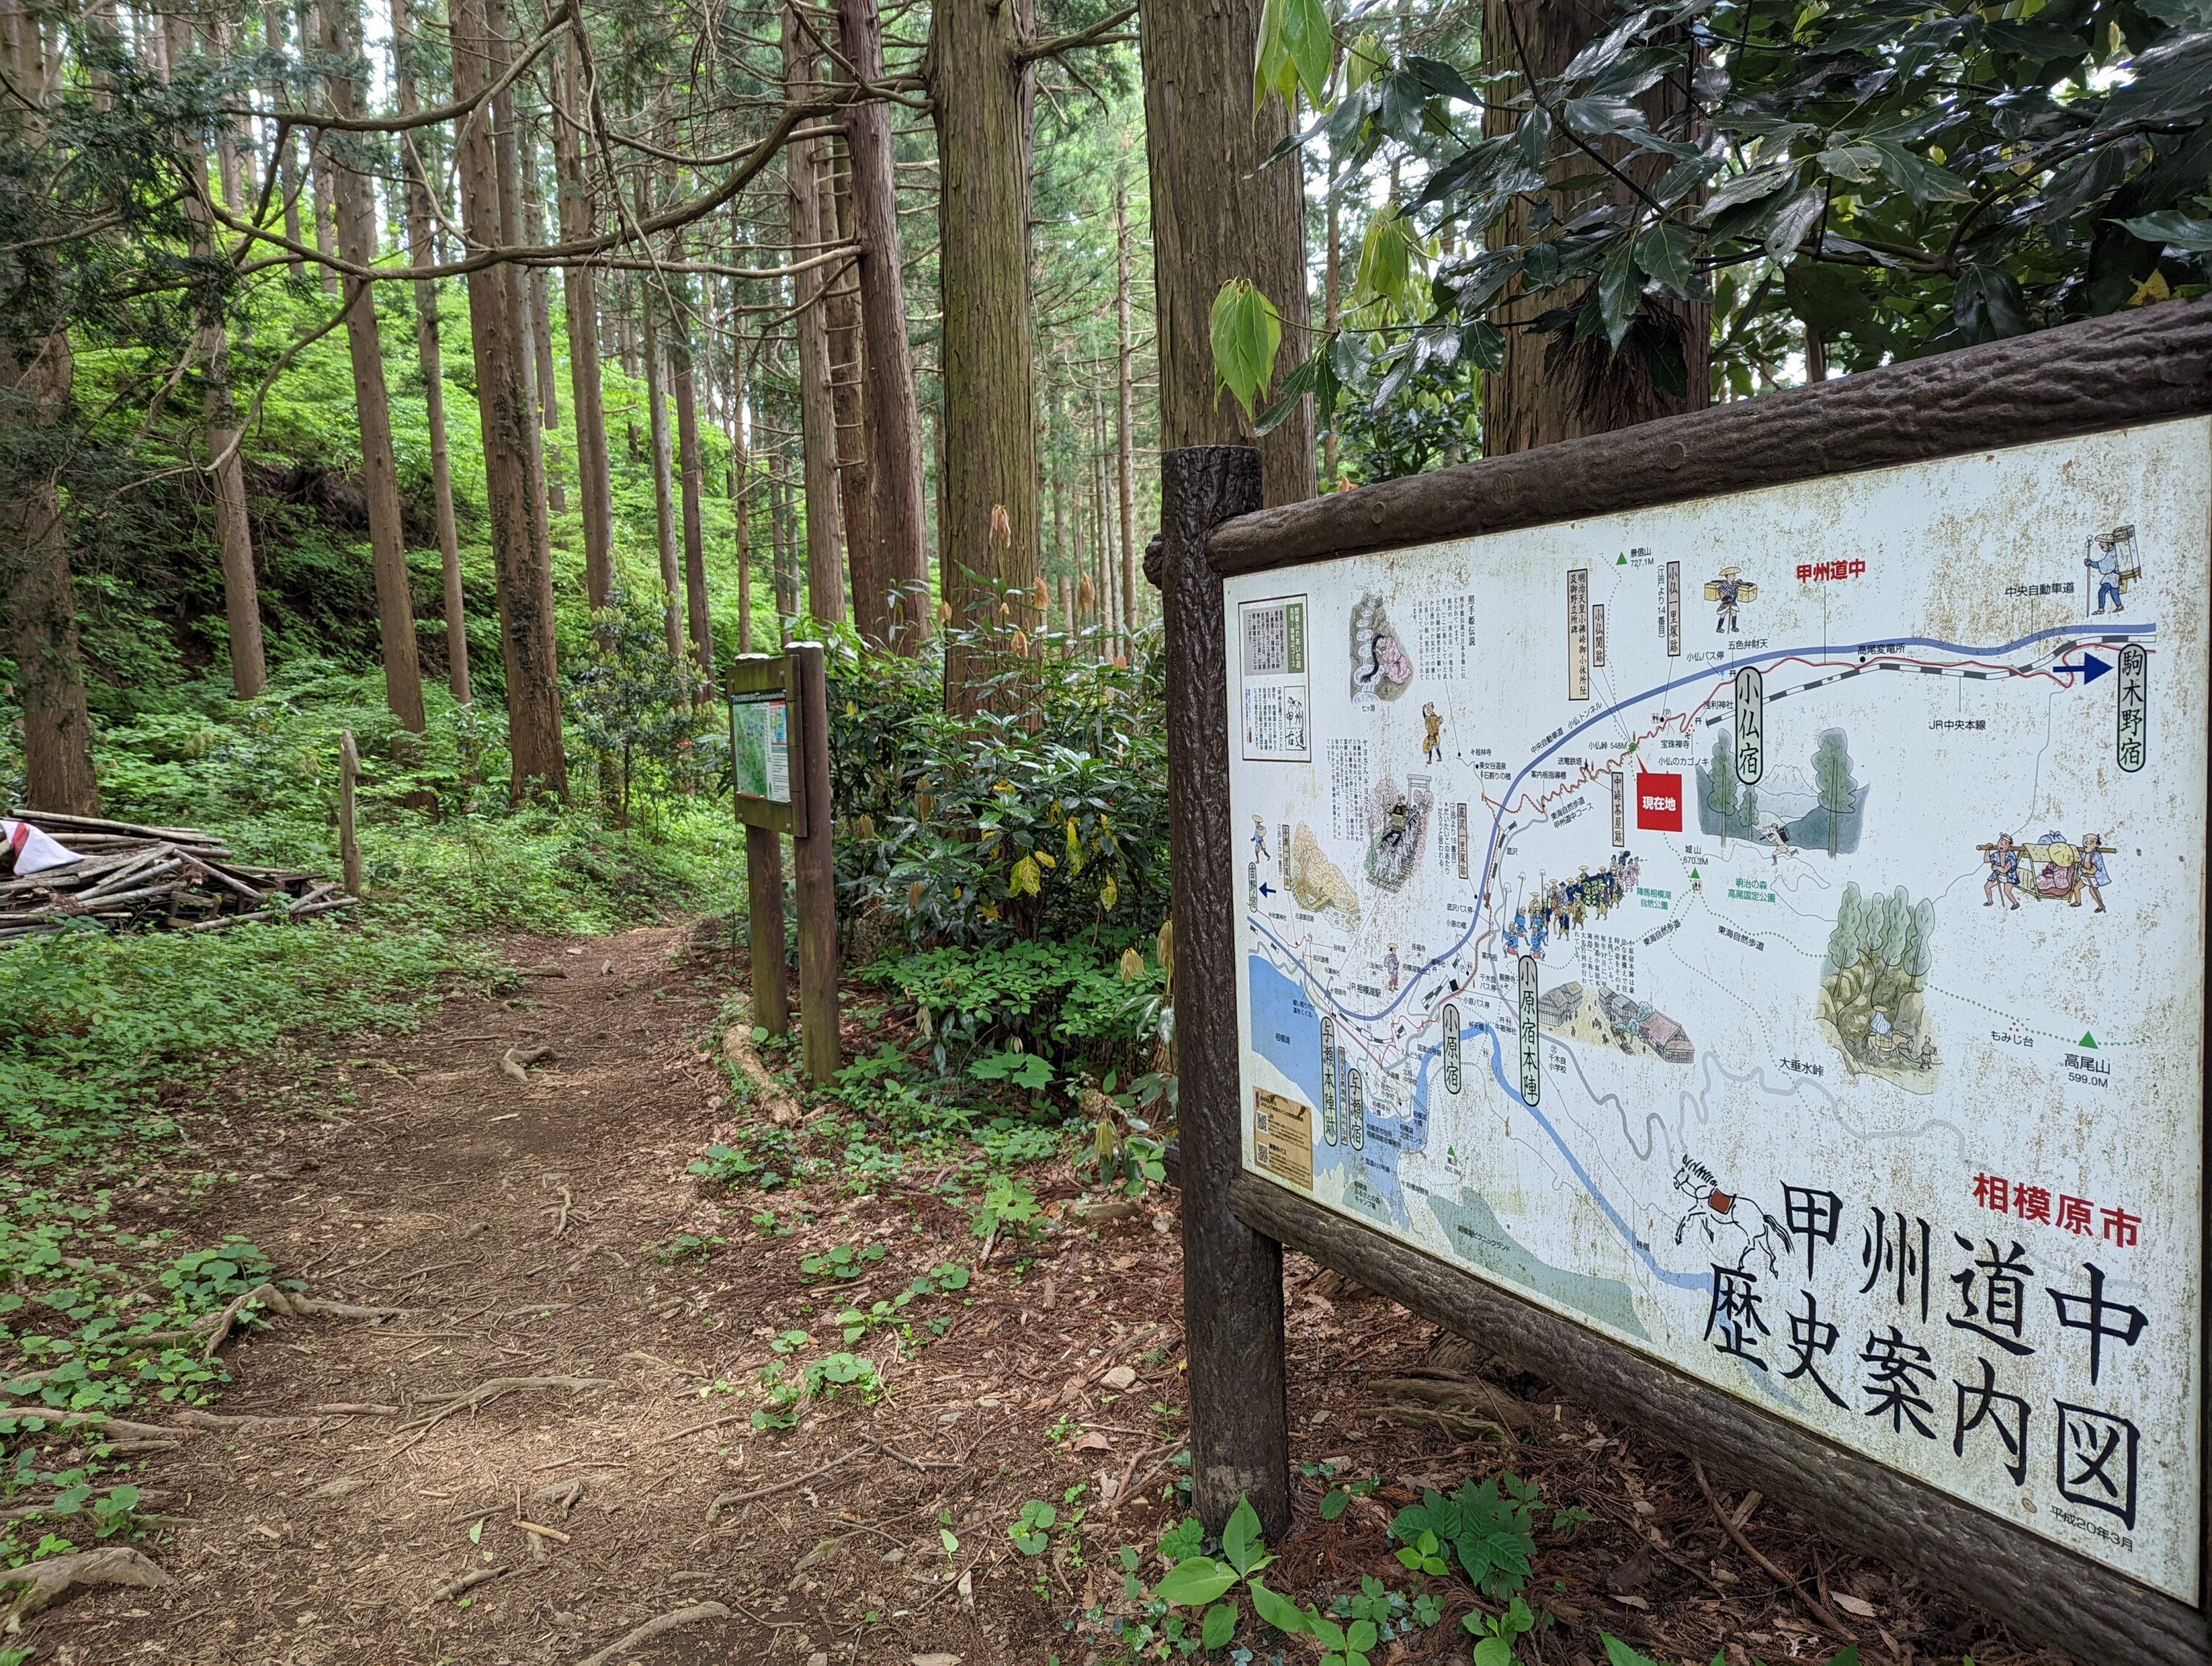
<point x="780" y="770"/>
<point x="1849" y="1080"/>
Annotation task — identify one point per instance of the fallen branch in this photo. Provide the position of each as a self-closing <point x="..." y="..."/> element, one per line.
<point x="498" y="1388"/>
<point x="518" y="1057"/>
<point x="292" y="1304"/>
<point x="652" y="1628"/>
<point x="730" y="1501"/>
<point x="58" y="1578"/>
<point x="458" y="1583"/>
<point x="1812" y="1605"/>
<point x="553" y="1533"/>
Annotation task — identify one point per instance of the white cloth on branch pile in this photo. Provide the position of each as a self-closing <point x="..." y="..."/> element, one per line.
<point x="34" y="851"/>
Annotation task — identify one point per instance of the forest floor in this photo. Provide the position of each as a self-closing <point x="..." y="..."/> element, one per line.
<point x="584" y="1324"/>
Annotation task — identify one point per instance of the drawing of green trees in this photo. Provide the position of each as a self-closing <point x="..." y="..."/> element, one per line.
<point x="1721" y="798"/>
<point x="1831" y="780"/>
<point x="1877" y="965"/>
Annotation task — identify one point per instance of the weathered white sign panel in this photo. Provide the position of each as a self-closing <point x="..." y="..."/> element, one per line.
<point x="1770" y="931"/>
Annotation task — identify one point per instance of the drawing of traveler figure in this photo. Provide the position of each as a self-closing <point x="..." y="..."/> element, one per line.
<point x="1390" y="965"/>
<point x="1432" y="739"/>
<point x="2111" y="558"/>
<point x="1517" y="933"/>
<point x="2003" y="859"/>
<point x="2094" y="874"/>
<point x="1260" y="838"/>
<point x="1729" y="590"/>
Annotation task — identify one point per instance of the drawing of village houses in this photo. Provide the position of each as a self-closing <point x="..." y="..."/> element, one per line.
<point x="1599" y="1017"/>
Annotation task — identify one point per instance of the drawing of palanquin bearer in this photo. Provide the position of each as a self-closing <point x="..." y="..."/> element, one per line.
<point x="1728" y="591"/>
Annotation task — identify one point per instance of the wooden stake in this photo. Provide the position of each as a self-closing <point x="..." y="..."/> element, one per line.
<point x="813" y="867"/>
<point x="349" y="841"/>
<point x="764" y="907"/>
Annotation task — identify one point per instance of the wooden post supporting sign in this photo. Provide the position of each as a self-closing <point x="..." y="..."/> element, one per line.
<point x="780" y="759"/>
<point x="1232" y="1275"/>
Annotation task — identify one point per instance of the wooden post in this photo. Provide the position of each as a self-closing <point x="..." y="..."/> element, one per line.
<point x="764" y="906"/>
<point x="813" y="863"/>
<point x="349" y="841"/>
<point x="1232" y="1277"/>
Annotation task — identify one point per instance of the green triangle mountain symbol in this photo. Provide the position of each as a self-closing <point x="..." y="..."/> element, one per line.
<point x="2088" y="1040"/>
<point x="1693" y="873"/>
<point x="1621" y="561"/>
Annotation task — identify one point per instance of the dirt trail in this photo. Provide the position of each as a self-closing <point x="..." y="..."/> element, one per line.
<point x="551" y="1368"/>
<point x="515" y="1223"/>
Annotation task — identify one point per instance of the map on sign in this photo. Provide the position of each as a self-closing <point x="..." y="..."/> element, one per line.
<point x="761" y="737"/>
<point x="1770" y="931"/>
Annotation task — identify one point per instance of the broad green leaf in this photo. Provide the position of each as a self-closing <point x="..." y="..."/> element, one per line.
<point x="1273" y="71"/>
<point x="1219" y="1626"/>
<point x="1748" y="188"/>
<point x="1333" y="1503"/>
<point x="1616" y="291"/>
<point x="1241" y="1540"/>
<point x="1367" y="58"/>
<point x="1599" y="118"/>
<point x="1493" y="1652"/>
<point x="1663" y="252"/>
<point x="1195" y="1581"/>
<point x="1923" y="181"/>
<point x="1246" y="332"/>
<point x="1311" y="46"/>
<point x="1359" y="1636"/>
<point x="1854" y="164"/>
<point x="2173" y="227"/>
<point x="1618" y="1653"/>
<point x="1793" y="221"/>
<point x="1277" y="1610"/>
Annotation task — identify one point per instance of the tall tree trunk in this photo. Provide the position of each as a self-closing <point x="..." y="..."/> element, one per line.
<point x="356" y="230"/>
<point x="580" y="287"/>
<point x="234" y="531"/>
<point x="741" y="492"/>
<point x="539" y="287"/>
<point x="787" y="563"/>
<point x="664" y="490"/>
<point x="894" y="429"/>
<point x="686" y="380"/>
<point x="825" y="589"/>
<point x="1541" y="395"/>
<point x="538" y="762"/>
<point x="981" y="91"/>
<point x="841" y="311"/>
<point x="1124" y="410"/>
<point x="288" y="184"/>
<point x="35" y="370"/>
<point x="1218" y="212"/>
<point x="319" y="155"/>
<point x="507" y="148"/>
<point x="1332" y="309"/>
<point x="429" y="354"/>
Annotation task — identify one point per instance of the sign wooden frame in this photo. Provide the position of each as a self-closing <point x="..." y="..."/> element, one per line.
<point x="2149" y="365"/>
<point x="799" y="676"/>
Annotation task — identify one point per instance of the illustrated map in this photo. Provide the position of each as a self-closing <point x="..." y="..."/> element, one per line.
<point x="1769" y="931"/>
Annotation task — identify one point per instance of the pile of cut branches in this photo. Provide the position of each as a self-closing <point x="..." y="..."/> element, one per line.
<point x="130" y="878"/>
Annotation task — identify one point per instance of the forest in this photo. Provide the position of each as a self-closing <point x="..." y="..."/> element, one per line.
<point x="416" y="1246"/>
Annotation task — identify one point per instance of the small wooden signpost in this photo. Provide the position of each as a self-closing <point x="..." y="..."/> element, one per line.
<point x="779" y="761"/>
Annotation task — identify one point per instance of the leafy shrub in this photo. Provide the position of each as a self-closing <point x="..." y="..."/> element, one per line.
<point x="1043" y="815"/>
<point x="1044" y="996"/>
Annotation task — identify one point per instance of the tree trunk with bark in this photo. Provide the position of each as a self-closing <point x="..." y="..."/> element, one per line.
<point x="817" y="418"/>
<point x="538" y="762"/>
<point x="981" y="89"/>
<point x="35" y="372"/>
<point x="430" y="355"/>
<point x="289" y="183"/>
<point x="1220" y="212"/>
<point x="1545" y="392"/>
<point x="538" y="286"/>
<point x="234" y="531"/>
<point x="841" y="316"/>
<point x="355" y="231"/>
<point x="1124" y="410"/>
<point x="580" y="287"/>
<point x="664" y="479"/>
<point x="894" y="429"/>
<point x="507" y="151"/>
<point x="690" y="470"/>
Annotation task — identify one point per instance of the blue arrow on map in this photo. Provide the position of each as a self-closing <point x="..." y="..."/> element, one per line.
<point x="2090" y="668"/>
<point x="1267" y="889"/>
